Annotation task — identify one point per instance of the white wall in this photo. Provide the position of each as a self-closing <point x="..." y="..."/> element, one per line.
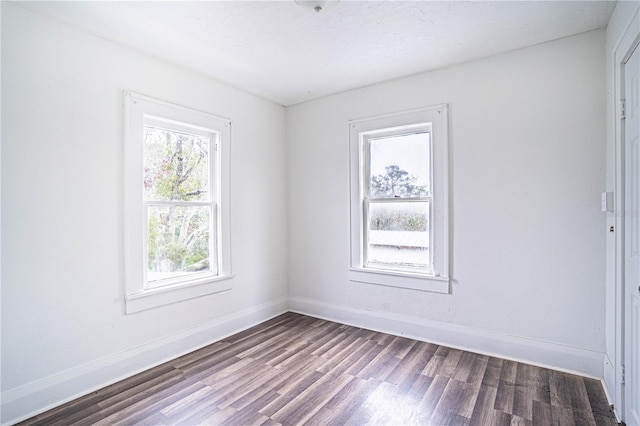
<point x="616" y="28"/>
<point x="62" y="291"/>
<point x="527" y="159"/>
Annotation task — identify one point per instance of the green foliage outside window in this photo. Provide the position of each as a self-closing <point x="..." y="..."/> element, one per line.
<point x="176" y="168"/>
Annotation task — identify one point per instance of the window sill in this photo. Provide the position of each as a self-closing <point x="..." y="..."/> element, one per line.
<point x="421" y="282"/>
<point x="153" y="298"/>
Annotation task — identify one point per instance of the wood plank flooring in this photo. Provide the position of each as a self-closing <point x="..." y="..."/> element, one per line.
<point x="296" y="369"/>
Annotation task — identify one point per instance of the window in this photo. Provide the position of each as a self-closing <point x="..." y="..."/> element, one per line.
<point x="399" y="200"/>
<point x="176" y="203"/>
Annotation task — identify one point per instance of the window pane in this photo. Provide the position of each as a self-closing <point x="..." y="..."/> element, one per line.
<point x="176" y="165"/>
<point x="399" y="234"/>
<point x="400" y="166"/>
<point x="179" y="241"/>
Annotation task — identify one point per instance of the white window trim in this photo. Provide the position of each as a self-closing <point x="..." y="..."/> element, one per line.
<point x="438" y="280"/>
<point x="137" y="297"/>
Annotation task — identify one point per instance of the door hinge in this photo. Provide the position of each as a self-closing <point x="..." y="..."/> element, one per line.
<point x="622" y="375"/>
<point x="623" y="109"/>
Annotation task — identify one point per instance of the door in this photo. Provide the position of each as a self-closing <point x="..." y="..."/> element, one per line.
<point x="631" y="127"/>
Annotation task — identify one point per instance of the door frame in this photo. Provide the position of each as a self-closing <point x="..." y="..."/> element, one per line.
<point x="623" y="50"/>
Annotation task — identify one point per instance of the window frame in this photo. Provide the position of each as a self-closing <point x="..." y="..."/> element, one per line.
<point x="435" y="120"/>
<point x="139" y="296"/>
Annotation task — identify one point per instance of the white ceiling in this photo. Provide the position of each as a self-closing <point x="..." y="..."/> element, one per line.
<point x="283" y="52"/>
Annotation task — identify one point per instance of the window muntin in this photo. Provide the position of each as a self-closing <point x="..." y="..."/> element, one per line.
<point x="396" y="198"/>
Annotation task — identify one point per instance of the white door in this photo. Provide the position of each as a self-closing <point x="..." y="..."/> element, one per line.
<point x="632" y="239"/>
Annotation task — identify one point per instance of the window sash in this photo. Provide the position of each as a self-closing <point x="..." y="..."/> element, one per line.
<point x="174" y="126"/>
<point x="366" y="232"/>
<point x="398" y="131"/>
<point x="214" y="247"/>
<point x="366" y="200"/>
<point x="184" y="128"/>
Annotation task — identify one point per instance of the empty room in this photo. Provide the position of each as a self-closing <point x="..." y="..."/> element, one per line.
<point x="320" y="212"/>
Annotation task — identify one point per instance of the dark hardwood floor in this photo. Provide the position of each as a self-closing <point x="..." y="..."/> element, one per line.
<point x="295" y="369"/>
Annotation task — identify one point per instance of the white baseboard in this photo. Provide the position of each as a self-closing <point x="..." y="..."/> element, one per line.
<point x="609" y="383"/>
<point x="36" y="397"/>
<point x="545" y="354"/>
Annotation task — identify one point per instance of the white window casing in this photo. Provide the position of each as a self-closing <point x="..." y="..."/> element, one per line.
<point x="433" y="275"/>
<point x="142" y="292"/>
